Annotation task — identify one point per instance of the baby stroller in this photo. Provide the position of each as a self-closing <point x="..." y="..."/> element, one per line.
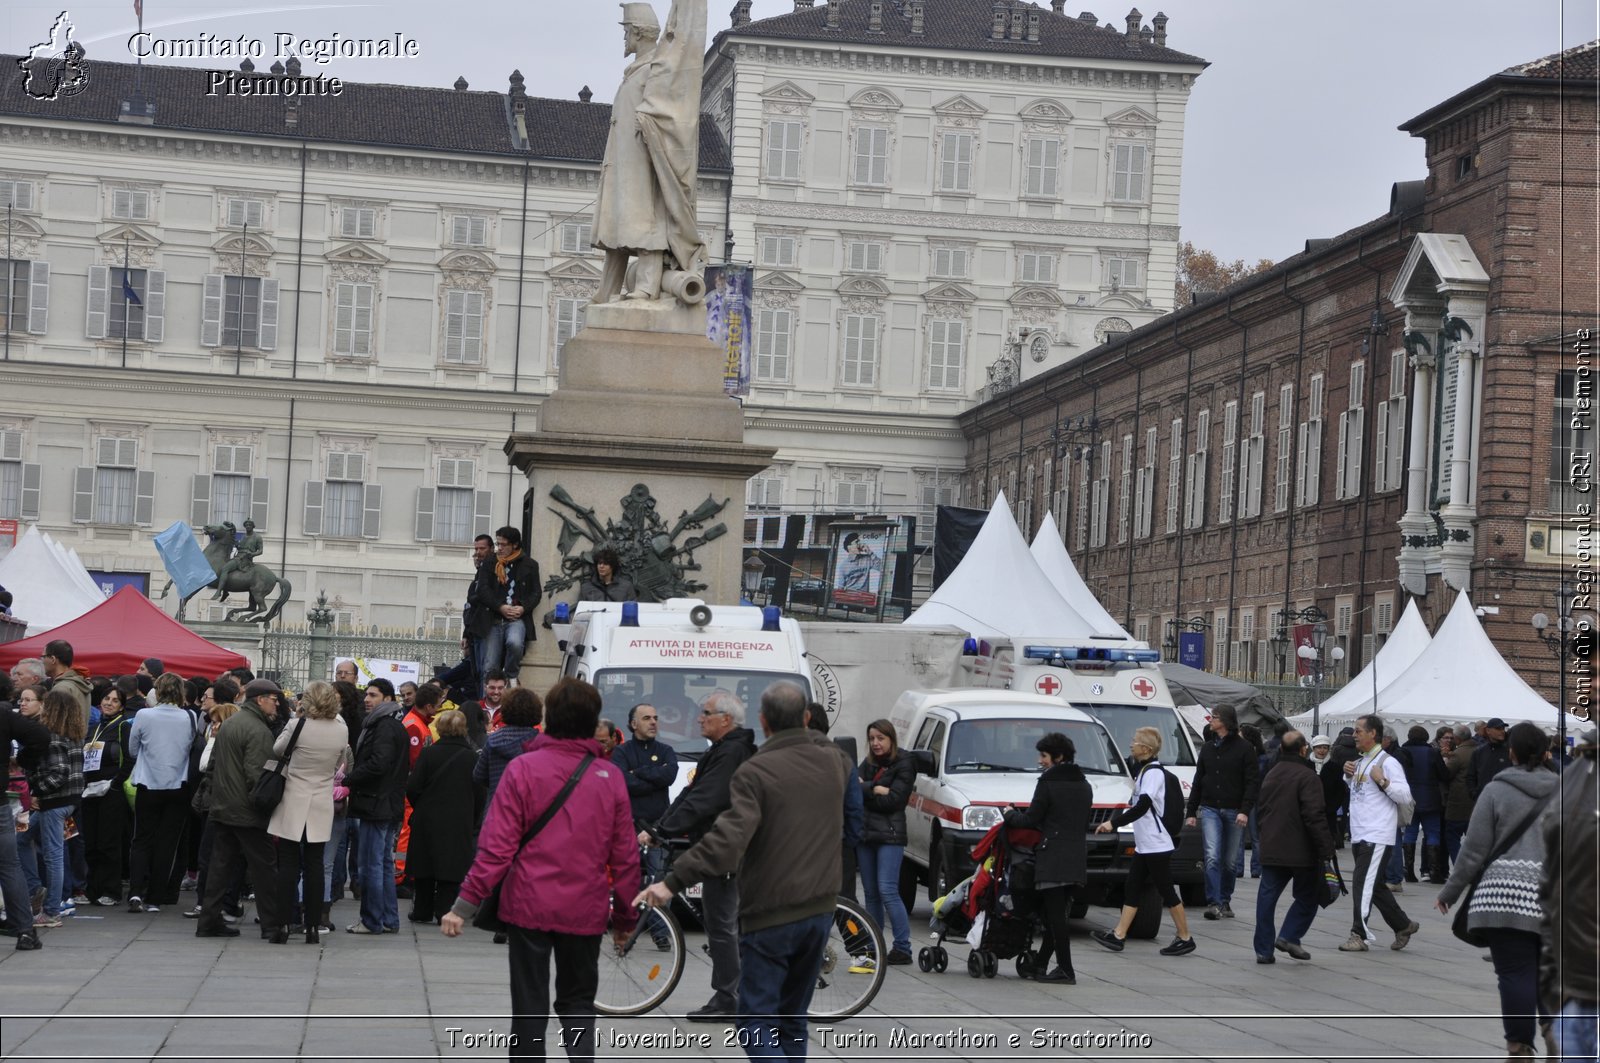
<point x="998" y="900"/>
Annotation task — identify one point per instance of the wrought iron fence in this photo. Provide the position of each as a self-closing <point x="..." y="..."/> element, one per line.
<point x="291" y="656"/>
<point x="1293" y="699"/>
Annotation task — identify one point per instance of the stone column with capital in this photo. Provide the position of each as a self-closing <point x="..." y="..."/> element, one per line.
<point x="1464" y="324"/>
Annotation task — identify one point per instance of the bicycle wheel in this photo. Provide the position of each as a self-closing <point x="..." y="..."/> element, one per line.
<point x="639" y="976"/>
<point x="853" y="965"/>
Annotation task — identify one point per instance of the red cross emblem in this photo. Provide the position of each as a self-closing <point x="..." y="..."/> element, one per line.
<point x="1047" y="685"/>
<point x="1144" y="689"/>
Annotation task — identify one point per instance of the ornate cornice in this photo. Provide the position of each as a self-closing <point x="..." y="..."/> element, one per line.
<point x="874" y="218"/>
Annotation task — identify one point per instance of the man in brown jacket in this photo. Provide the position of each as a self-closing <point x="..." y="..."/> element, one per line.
<point x="1294" y="844"/>
<point x="1458" y="797"/>
<point x="781" y="835"/>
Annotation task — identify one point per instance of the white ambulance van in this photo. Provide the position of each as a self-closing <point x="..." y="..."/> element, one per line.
<point x="673" y="654"/>
<point x="975" y="755"/>
<point x="1118" y="683"/>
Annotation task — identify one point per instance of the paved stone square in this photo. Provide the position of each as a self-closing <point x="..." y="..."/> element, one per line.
<point x="110" y="985"/>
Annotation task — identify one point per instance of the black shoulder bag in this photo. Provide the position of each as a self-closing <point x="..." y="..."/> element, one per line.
<point x="1458" y="925"/>
<point x="488" y="917"/>
<point x="267" y="793"/>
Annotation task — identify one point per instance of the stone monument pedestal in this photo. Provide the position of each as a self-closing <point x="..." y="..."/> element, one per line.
<point x="238" y="637"/>
<point x="639" y="401"/>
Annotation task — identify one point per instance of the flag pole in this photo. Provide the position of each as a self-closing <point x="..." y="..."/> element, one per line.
<point x="138" y="10"/>
<point x="8" y="278"/>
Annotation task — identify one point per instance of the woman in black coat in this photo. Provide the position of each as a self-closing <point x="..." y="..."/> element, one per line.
<point x="445" y="806"/>
<point x="1062" y="805"/>
<point x="1428" y="779"/>
<point x="887" y="776"/>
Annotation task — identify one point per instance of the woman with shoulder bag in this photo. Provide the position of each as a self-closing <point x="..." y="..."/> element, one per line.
<point x="57" y="784"/>
<point x="887" y="776"/>
<point x="216" y="710"/>
<point x="303" y="821"/>
<point x="1501" y="861"/>
<point x="106" y="818"/>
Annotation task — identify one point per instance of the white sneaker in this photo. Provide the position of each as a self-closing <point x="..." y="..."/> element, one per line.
<point x="862" y="965"/>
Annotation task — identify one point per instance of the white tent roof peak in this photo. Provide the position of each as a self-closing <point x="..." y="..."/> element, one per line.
<point x="1051" y="552"/>
<point x="48" y="582"/>
<point x="1404" y="645"/>
<point x="998" y="589"/>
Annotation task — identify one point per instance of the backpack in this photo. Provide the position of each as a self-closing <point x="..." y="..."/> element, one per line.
<point x="1406" y="809"/>
<point x="1170" y="817"/>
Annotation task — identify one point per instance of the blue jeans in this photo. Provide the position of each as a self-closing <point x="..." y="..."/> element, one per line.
<point x="502" y="648"/>
<point x="380" y="908"/>
<point x="778" y="973"/>
<point x="1301" y="912"/>
<point x="29" y="855"/>
<point x="53" y="856"/>
<point x="1576" y="1032"/>
<point x="1224" y="840"/>
<point x="1254" y="832"/>
<point x="880" y="881"/>
<point x="338" y="848"/>
<point x="1454" y="831"/>
<point x="1429" y="823"/>
<point x="652" y="865"/>
<point x="13" y="886"/>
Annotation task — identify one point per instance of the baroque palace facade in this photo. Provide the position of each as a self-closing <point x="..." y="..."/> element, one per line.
<point x="1404" y="409"/>
<point x="344" y="305"/>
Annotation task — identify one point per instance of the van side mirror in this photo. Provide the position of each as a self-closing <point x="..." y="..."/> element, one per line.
<point x="927" y="761"/>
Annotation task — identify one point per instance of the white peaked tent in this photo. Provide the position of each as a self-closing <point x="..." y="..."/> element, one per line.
<point x="999" y="589"/>
<point x="49" y="583"/>
<point x="1460" y="677"/>
<point x="1051" y="553"/>
<point x="1405" y="644"/>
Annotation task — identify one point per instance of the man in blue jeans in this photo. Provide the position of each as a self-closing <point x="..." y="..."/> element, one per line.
<point x="35" y="741"/>
<point x="377" y="782"/>
<point x="1220" y="801"/>
<point x="507" y="592"/>
<point x="1295" y="842"/>
<point x="782" y="836"/>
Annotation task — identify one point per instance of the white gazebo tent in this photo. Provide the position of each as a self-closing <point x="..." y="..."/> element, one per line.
<point x="1459" y="678"/>
<point x="49" y="584"/>
<point x="1405" y="644"/>
<point x="1051" y="553"/>
<point x="998" y="589"/>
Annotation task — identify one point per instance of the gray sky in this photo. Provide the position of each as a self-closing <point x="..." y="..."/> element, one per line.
<point x="1291" y="131"/>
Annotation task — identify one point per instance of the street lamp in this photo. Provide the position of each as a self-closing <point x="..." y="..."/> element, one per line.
<point x="1558" y="645"/>
<point x="753" y="573"/>
<point x="1314" y="655"/>
<point x="1175" y="626"/>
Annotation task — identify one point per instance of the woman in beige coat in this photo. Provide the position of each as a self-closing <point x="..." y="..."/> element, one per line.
<point x="303" y="821"/>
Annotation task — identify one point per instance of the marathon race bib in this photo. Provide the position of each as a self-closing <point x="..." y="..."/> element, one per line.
<point x="93" y="752"/>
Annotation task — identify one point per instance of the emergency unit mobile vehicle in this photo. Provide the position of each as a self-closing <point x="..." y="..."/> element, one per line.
<point x="1118" y="683"/>
<point x="975" y="757"/>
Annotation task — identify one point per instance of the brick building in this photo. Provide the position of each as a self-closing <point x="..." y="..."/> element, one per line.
<point x="1402" y="409"/>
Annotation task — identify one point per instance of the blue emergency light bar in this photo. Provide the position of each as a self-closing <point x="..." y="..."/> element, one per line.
<point x="770" y="617"/>
<point x="630" y="614"/>
<point x="1091" y="654"/>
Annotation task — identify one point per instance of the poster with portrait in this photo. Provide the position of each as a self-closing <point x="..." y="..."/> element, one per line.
<point x="728" y="323"/>
<point x="861" y="565"/>
<point x="1304" y="666"/>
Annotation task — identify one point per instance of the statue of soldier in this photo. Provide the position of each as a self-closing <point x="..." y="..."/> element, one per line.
<point x="243" y="559"/>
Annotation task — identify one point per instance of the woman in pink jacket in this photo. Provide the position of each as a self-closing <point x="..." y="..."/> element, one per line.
<point x="556" y="887"/>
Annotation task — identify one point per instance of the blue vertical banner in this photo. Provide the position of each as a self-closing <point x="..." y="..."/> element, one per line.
<point x="1192" y="649"/>
<point x="728" y="291"/>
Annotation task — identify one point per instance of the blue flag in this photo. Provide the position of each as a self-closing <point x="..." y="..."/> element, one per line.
<point x="131" y="296"/>
<point x="183" y="559"/>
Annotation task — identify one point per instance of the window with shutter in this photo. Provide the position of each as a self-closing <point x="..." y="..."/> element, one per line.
<point x="1348" y="481"/>
<point x="860" y="367"/>
<point x="946" y="354"/>
<point x="16" y="194"/>
<point x="1383" y="614"/>
<point x="1125" y="490"/>
<point x="871" y="164"/>
<point x="1309" y="445"/>
<point x="1389" y="448"/>
<point x="783" y="150"/>
<point x="115" y="480"/>
<point x="1041" y="167"/>
<point x="852" y="495"/>
<point x="950" y="262"/>
<point x="129" y="204"/>
<point x="468" y="230"/>
<point x="1144" y="488"/>
<point x="343" y="499"/>
<point x="577" y="237"/>
<point x="242" y="312"/>
<point x="1230" y="438"/>
<point x="125" y="315"/>
<point x="243" y="212"/>
<point x="10" y="474"/>
<point x="358" y="223"/>
<point x="15" y="276"/>
<point x="352" y="324"/>
<point x="779" y="252"/>
<point x="569" y="322"/>
<point x="1280" y="493"/>
<point x="1124" y="273"/>
<point x="1037" y="267"/>
<point x="955" y="161"/>
<point x="1252" y="458"/>
<point x="1129" y="163"/>
<point x="1174" y="475"/>
<point x="1195" y="473"/>
<point x="764" y="492"/>
<point x="463" y="327"/>
<point x="864" y="256"/>
<point x="774" y="329"/>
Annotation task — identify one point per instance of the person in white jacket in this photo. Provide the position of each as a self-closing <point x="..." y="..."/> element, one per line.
<point x="1378" y="787"/>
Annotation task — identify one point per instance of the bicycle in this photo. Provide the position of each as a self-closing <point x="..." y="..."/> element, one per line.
<point x="636" y="979"/>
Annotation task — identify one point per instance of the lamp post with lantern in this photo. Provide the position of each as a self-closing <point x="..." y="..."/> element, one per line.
<point x="1317" y="655"/>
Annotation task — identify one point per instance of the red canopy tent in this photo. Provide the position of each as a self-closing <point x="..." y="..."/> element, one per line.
<point x="114" y="637"/>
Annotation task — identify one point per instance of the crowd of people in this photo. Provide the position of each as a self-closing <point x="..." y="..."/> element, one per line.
<point x="132" y="790"/>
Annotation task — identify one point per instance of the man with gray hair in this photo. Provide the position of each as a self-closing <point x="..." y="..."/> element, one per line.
<point x="27" y="672"/>
<point x="693" y="815"/>
<point x="781" y="833"/>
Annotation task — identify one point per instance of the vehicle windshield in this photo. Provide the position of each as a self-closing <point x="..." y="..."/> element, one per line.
<point x="1006" y="744"/>
<point x="677" y="695"/>
<point x="1123" y="720"/>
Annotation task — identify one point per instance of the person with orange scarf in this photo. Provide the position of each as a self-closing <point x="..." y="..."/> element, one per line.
<point x="510" y="596"/>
